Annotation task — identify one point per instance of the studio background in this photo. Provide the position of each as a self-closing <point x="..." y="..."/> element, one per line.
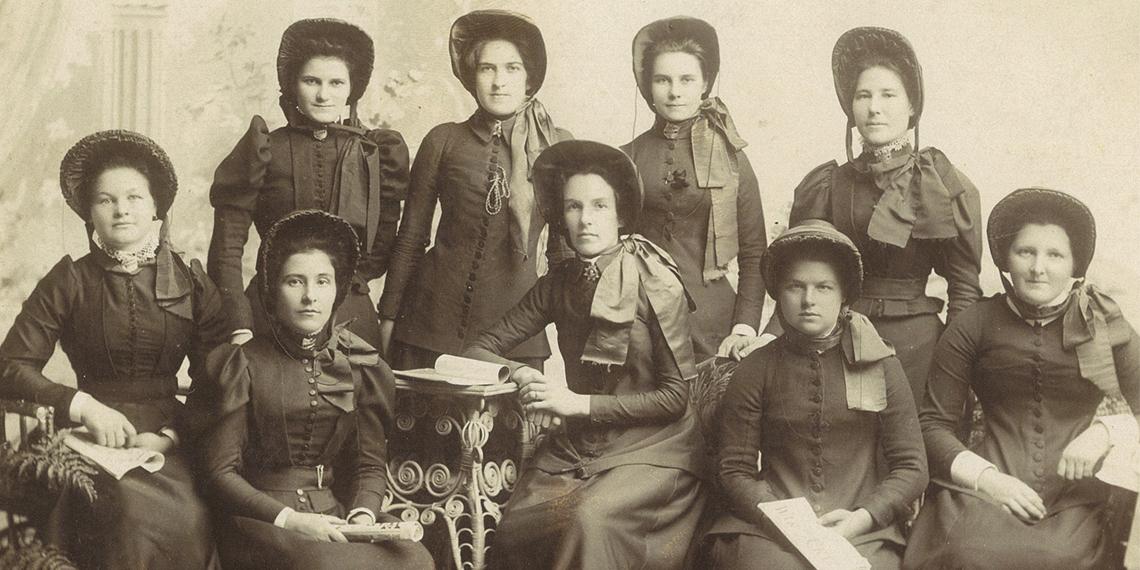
<point x="1017" y="94"/>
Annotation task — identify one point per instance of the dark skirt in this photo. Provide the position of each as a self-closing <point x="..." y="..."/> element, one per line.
<point x="632" y="516"/>
<point x="958" y="530"/>
<point x="144" y="520"/>
<point x="357" y="309"/>
<point x="747" y="552"/>
<point x="914" y="338"/>
<point x="712" y="321"/>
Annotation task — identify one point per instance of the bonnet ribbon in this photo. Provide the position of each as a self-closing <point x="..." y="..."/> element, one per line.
<point x="916" y="201"/>
<point x="358" y="166"/>
<point x="531" y="134"/>
<point x="1087" y="321"/>
<point x="715" y="143"/>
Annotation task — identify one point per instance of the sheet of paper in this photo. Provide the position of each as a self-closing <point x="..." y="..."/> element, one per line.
<point x="461" y="371"/>
<point x="823" y="548"/>
<point x="116" y="462"/>
<point x="1121" y="467"/>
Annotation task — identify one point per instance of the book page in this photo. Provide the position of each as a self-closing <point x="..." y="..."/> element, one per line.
<point x="823" y="548"/>
<point x="116" y="462"/>
<point x="461" y="371"/>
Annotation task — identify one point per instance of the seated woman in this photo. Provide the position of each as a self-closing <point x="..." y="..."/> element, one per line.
<point x="620" y="486"/>
<point x="295" y="402"/>
<point x="1040" y="358"/>
<point x="828" y="409"/>
<point x="127" y="315"/>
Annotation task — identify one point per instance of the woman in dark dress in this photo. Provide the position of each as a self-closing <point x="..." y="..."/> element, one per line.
<point x="620" y="485"/>
<point x="828" y="408"/>
<point x="485" y="252"/>
<point x="127" y="315"/>
<point x="303" y="413"/>
<point x="319" y="160"/>
<point x="909" y="211"/>
<point x="1040" y="358"/>
<point x="702" y="201"/>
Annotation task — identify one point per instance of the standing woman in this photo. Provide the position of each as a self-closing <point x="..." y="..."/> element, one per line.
<point x="908" y="211"/>
<point x="322" y="159"/>
<point x="485" y="253"/>
<point x="295" y="401"/>
<point x="1040" y="358"/>
<point x="828" y="410"/>
<point x="127" y="315"/>
<point x="620" y="485"/>
<point x="702" y="201"/>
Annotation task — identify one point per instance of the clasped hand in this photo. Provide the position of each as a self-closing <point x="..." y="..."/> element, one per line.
<point x="545" y="403"/>
<point x="317" y="526"/>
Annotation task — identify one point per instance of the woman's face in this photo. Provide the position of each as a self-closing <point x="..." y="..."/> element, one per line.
<point x="323" y="86"/>
<point x="500" y="78"/>
<point x="306" y="291"/>
<point x="881" y="106"/>
<point x="810" y="298"/>
<point x="678" y="85"/>
<point x="1040" y="263"/>
<point x="589" y="210"/>
<point x="122" y="208"/>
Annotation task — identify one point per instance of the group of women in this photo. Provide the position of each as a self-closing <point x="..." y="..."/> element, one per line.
<point x="853" y="389"/>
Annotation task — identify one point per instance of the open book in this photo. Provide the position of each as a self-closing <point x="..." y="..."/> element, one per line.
<point x="460" y="371"/>
<point x="116" y="462"/>
<point x="823" y="548"/>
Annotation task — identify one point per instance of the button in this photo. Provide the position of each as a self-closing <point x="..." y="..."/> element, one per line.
<point x="816" y="471"/>
<point x="1037" y="397"/>
<point x="312" y="392"/>
<point x="1036" y="342"/>
<point x="475" y="265"/>
<point x="471" y="276"/>
<point x="486" y="221"/>
<point x="1036" y="412"/>
<point x="496" y="141"/>
<point x="816" y="450"/>
<point x="1040" y="444"/>
<point x="306" y="446"/>
<point x="312" y="380"/>
<point x="304" y="361"/>
<point x="668" y="160"/>
<point x="817" y="508"/>
<point x="312" y="403"/>
<point x="1039" y="429"/>
<point x="482" y="232"/>
<point x="302" y="500"/>
<point x="478" y="255"/>
<point x="817" y="488"/>
<point x="816" y="398"/>
<point x="308" y="369"/>
<point x="470" y="287"/>
<point x="1038" y="456"/>
<point x="494" y="159"/>
<point x="481" y="243"/>
<point x="491" y="177"/>
<point x="672" y="145"/>
<point x="815" y="381"/>
<point x="1039" y="472"/>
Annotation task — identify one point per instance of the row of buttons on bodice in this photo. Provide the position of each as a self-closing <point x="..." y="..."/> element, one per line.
<point x="308" y="452"/>
<point x="675" y="180"/>
<point x="1037" y="437"/>
<point x="817" y="428"/>
<point x="494" y="169"/>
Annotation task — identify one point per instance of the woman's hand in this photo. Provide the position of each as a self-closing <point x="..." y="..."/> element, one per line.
<point x="107" y="426"/>
<point x="559" y="400"/>
<point x="528" y="379"/>
<point x="386" y="328"/>
<point x="1080" y="457"/>
<point x="1013" y="495"/>
<point x="524" y="375"/>
<point x="733" y="344"/>
<point x="153" y="442"/>
<point x="361" y="518"/>
<point x="318" y="527"/>
<point x="754" y="343"/>
<point x="848" y="524"/>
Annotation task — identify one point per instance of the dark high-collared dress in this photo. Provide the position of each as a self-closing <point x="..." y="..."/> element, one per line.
<point x="788" y="403"/>
<point x="443" y="298"/>
<point x="282" y="413"/>
<point x="621" y="488"/>
<point x="1035" y="402"/>
<point x="126" y="351"/>
<point x="676" y="218"/>
<point x="894" y="289"/>
<point x="269" y="175"/>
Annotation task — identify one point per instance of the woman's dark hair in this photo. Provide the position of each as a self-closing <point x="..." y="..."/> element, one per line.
<point x="96" y="168"/>
<point x="878" y="60"/>
<point x="582" y="168"/>
<point x="832" y="254"/>
<point x="682" y="45"/>
<point x="1041" y="217"/>
<point x="470" y="59"/>
<point x="285" y="246"/>
<point x="321" y="47"/>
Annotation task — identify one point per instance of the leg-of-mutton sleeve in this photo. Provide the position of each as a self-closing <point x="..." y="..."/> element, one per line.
<point x="415" y="228"/>
<point x="901" y="441"/>
<point x="753" y="240"/>
<point x="233" y="195"/>
<point x="812" y="198"/>
<point x="526" y="319"/>
<point x="223" y="445"/>
<point x="947" y="391"/>
<point x="32" y="338"/>
<point x="740" y="433"/>
<point x="393" y="159"/>
<point x="961" y="258"/>
<point x="211" y="328"/>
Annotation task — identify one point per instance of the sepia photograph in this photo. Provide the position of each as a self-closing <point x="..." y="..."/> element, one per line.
<point x="578" y="284"/>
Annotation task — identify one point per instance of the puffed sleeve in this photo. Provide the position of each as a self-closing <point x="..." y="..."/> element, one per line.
<point x="526" y="319"/>
<point x="223" y="443"/>
<point x="813" y="195"/>
<point x="947" y="390"/>
<point x="961" y="259"/>
<point x="739" y="424"/>
<point x="901" y="441"/>
<point x="415" y="228"/>
<point x="211" y="328"/>
<point x="392" y="152"/>
<point x="376" y="397"/>
<point x="237" y="182"/>
<point x="752" y="236"/>
<point x="32" y="338"/>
